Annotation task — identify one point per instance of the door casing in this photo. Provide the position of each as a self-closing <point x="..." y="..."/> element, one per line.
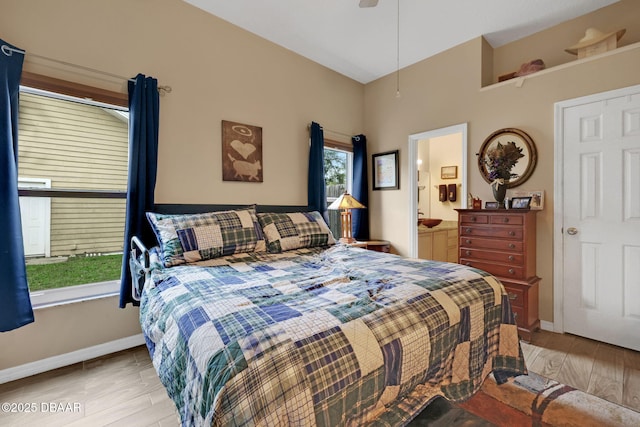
<point x="558" y="193"/>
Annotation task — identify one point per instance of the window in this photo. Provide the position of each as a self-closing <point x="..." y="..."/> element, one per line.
<point x="72" y="167"/>
<point x="338" y="175"/>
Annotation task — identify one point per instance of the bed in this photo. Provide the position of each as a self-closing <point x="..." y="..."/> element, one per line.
<point x="254" y="317"/>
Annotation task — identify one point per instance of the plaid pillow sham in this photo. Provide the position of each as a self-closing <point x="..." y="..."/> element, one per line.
<point x="197" y="237"/>
<point x="286" y="231"/>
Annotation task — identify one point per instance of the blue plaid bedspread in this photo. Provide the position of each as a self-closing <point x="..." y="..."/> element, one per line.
<point x="341" y="336"/>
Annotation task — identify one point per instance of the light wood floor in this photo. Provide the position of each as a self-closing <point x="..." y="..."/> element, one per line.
<point x="123" y="389"/>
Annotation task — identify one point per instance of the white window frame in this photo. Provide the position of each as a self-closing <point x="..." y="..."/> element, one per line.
<point x="349" y="172"/>
<point x="84" y="292"/>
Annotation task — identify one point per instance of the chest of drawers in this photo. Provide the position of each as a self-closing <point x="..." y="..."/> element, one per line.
<point x="503" y="243"/>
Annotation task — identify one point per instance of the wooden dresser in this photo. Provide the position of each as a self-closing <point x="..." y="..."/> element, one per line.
<point x="503" y="243"/>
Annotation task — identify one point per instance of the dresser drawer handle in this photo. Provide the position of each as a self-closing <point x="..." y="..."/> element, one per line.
<point x="511" y="258"/>
<point x="468" y="253"/>
<point x="468" y="264"/>
<point x="505" y="220"/>
<point x="474" y="219"/>
<point x="468" y="241"/>
<point x="512" y="233"/>
<point x="512" y="296"/>
<point x="512" y="271"/>
<point x="512" y="246"/>
<point x="468" y="230"/>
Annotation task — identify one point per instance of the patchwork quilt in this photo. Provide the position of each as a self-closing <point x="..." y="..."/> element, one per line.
<point x="324" y="337"/>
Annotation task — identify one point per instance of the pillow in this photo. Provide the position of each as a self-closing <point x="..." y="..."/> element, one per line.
<point x="286" y="231"/>
<point x="197" y="237"/>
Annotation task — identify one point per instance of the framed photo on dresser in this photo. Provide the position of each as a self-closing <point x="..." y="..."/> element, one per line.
<point x="520" y="202"/>
<point x="537" y="198"/>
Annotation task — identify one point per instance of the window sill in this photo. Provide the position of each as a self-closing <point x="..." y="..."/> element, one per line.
<point x="73" y="294"/>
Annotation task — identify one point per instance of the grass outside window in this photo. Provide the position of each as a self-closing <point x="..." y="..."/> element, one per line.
<point x="79" y="270"/>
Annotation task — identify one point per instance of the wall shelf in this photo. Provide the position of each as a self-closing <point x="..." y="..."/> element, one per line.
<point x="520" y="81"/>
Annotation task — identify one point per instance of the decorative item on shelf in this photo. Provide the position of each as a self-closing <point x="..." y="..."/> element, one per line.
<point x="525" y="69"/>
<point x="537" y="198"/>
<point x="491" y="205"/>
<point x="595" y="42"/>
<point x="346" y="202"/>
<point x="520" y="202"/>
<point x="477" y="203"/>
<point x="452" y="192"/>
<point x="500" y="160"/>
<point x="506" y="159"/>
<point x="442" y="192"/>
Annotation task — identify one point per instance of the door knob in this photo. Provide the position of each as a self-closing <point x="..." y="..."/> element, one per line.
<point x="572" y="231"/>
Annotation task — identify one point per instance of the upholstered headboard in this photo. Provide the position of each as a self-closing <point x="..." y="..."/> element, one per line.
<point x="170" y="208"/>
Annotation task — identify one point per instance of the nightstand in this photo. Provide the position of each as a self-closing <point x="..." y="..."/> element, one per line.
<point x="379" y="245"/>
<point x="357" y="244"/>
<point x="373" y="245"/>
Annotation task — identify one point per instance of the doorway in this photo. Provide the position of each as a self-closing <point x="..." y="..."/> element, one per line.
<point x="597" y="211"/>
<point x="35" y="216"/>
<point x="459" y="135"/>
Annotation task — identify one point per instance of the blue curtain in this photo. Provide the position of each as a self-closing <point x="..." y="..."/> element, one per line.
<point x="15" y="305"/>
<point x="144" y="106"/>
<point x="360" y="217"/>
<point x="316" y="192"/>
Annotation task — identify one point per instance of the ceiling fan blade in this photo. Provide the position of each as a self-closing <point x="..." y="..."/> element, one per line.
<point x="368" y="3"/>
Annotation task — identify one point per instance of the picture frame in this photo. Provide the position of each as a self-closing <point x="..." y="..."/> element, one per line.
<point x="386" y="174"/>
<point x="523" y="168"/>
<point x="537" y="198"/>
<point x="491" y="205"/>
<point x="520" y="202"/>
<point x="241" y="152"/>
<point x="448" y="172"/>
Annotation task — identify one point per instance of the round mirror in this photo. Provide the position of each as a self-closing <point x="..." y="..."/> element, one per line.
<point x="507" y="154"/>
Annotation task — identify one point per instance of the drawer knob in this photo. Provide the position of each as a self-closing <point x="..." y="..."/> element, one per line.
<point x="512" y="296"/>
<point x="512" y="233"/>
<point x="468" y="264"/>
<point x="468" y="253"/>
<point x="512" y="246"/>
<point x="474" y="219"/>
<point x="468" y="230"/>
<point x="468" y="241"/>
<point x="512" y="271"/>
<point x="511" y="258"/>
<point x="506" y="219"/>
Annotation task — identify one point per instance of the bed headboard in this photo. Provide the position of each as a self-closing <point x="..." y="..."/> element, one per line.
<point x="170" y="208"/>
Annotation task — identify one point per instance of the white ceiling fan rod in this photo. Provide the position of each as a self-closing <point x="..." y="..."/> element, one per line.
<point x="368" y="3"/>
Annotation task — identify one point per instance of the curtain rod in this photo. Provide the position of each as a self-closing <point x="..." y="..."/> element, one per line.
<point x="8" y="50"/>
<point x="332" y="131"/>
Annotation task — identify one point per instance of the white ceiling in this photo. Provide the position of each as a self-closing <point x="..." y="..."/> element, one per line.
<point x="362" y="43"/>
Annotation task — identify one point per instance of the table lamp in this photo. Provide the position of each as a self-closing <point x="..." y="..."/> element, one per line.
<point x="346" y="202"/>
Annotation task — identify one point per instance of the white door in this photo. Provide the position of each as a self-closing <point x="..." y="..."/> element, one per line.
<point x="35" y="216"/>
<point x="601" y="217"/>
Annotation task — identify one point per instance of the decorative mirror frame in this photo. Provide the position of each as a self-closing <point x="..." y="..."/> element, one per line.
<point x="522" y="140"/>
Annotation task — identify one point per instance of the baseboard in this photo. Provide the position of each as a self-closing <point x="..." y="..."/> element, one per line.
<point x="546" y="326"/>
<point x="44" y="365"/>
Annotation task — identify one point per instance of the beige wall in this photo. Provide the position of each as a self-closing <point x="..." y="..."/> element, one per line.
<point x="446" y="90"/>
<point x="444" y="151"/>
<point x="217" y="72"/>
